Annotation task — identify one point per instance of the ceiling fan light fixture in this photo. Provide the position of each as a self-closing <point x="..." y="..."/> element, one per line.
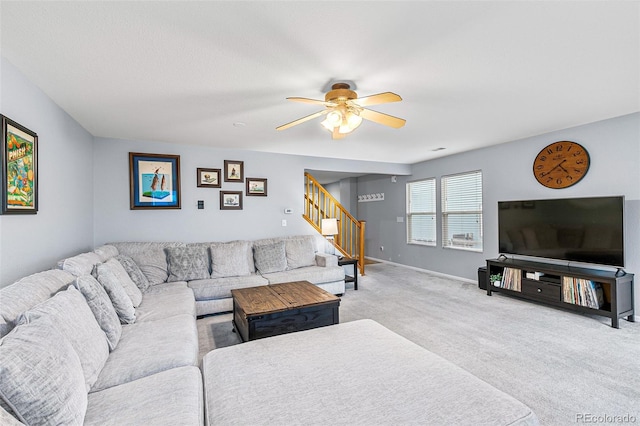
<point x="334" y="119"/>
<point x="345" y="111"/>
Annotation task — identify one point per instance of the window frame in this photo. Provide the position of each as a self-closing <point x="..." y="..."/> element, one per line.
<point x="475" y="244"/>
<point x="410" y="214"/>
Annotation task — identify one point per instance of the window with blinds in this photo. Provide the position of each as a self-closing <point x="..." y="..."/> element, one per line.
<point x="462" y="211"/>
<point x="421" y="212"/>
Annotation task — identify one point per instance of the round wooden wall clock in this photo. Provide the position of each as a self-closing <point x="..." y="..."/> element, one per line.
<point x="561" y="164"/>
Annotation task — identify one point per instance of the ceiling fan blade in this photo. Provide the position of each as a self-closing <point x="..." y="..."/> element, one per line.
<point x="380" y="98"/>
<point x="302" y="120"/>
<point x="385" y="119"/>
<point x="312" y="101"/>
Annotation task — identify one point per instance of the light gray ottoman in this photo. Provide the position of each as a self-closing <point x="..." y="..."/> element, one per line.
<point x="352" y="373"/>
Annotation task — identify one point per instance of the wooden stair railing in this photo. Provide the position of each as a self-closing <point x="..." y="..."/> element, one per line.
<point x="320" y="204"/>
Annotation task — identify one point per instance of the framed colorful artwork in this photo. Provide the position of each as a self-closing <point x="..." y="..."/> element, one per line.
<point x="257" y="187"/>
<point x="208" y="178"/>
<point x="154" y="181"/>
<point x="19" y="154"/>
<point x="233" y="171"/>
<point x="230" y="200"/>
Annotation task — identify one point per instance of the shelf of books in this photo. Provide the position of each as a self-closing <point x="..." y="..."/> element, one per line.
<point x="583" y="292"/>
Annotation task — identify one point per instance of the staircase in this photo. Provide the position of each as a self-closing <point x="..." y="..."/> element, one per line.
<point x="319" y="204"/>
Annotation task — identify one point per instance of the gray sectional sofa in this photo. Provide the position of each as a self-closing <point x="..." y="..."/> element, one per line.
<point x="66" y="358"/>
<point x="109" y="336"/>
<point x="213" y="269"/>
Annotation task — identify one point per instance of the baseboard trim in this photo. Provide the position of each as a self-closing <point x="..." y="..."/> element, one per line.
<point x="414" y="268"/>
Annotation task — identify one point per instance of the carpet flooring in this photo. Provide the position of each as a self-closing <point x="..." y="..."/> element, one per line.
<point x="569" y="368"/>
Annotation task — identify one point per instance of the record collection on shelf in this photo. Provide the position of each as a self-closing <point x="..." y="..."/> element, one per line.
<point x="582" y="292"/>
<point x="511" y="279"/>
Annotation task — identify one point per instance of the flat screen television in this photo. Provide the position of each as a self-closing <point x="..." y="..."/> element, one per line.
<point x="587" y="230"/>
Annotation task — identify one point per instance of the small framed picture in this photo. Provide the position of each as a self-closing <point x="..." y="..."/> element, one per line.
<point x="154" y="181"/>
<point x="208" y="178"/>
<point x="230" y="200"/>
<point x="233" y="171"/>
<point x="257" y="186"/>
<point x="19" y="154"/>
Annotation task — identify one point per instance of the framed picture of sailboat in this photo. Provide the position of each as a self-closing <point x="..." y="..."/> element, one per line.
<point x="154" y="181"/>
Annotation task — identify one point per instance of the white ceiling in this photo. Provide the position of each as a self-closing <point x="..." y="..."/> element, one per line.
<point x="471" y="74"/>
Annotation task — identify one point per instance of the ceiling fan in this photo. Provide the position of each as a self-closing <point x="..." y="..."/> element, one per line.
<point x="345" y="111"/>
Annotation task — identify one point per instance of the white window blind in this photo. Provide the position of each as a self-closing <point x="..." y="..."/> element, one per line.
<point x="421" y="212"/>
<point x="462" y="211"/>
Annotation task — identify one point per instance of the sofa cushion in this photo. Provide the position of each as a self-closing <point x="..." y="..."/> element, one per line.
<point x="106" y="252"/>
<point x="81" y="264"/>
<point x="102" y="308"/>
<point x="187" y="263"/>
<point x="28" y="292"/>
<point x="41" y="379"/>
<point x="149" y="347"/>
<point x="300" y="252"/>
<point x="134" y="271"/>
<point x="172" y="397"/>
<point x="219" y="288"/>
<point x="230" y="259"/>
<point x="313" y="274"/>
<point x="119" y="298"/>
<point x="355" y="366"/>
<point x="71" y="315"/>
<point x="150" y="257"/>
<point x="163" y="304"/>
<point x="270" y="257"/>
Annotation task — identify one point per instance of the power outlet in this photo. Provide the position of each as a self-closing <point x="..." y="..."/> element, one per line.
<point x="284" y="222"/>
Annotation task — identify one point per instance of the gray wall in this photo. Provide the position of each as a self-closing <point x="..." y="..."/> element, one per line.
<point x="614" y="146"/>
<point x="64" y="223"/>
<point x="261" y="216"/>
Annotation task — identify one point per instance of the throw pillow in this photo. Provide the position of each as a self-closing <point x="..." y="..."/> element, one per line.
<point x="134" y="271"/>
<point x="41" y="378"/>
<point x="230" y="259"/>
<point x="187" y="263"/>
<point x="115" y="271"/>
<point x="81" y="264"/>
<point x="119" y="298"/>
<point x="300" y="252"/>
<point x="270" y="257"/>
<point x="71" y="315"/>
<point x="102" y="308"/>
<point x="106" y="252"/>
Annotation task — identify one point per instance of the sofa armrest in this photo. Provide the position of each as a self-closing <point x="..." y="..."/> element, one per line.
<point x="324" y="259"/>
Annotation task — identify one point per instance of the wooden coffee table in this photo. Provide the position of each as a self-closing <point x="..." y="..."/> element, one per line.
<point x="270" y="310"/>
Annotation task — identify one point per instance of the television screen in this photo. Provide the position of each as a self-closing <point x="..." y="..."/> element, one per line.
<point x="588" y="230"/>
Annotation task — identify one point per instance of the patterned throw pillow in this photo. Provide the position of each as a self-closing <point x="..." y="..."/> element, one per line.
<point x="230" y="259"/>
<point x="187" y="263"/>
<point x="71" y="315"/>
<point x="119" y="298"/>
<point x="102" y="308"/>
<point x="41" y="377"/>
<point x="270" y="257"/>
<point x="117" y="271"/>
<point x="134" y="271"/>
<point x="300" y="252"/>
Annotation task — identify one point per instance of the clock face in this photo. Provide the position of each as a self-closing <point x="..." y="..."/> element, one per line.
<point x="561" y="164"/>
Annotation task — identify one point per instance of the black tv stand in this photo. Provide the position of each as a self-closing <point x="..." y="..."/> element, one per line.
<point x="551" y="284"/>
